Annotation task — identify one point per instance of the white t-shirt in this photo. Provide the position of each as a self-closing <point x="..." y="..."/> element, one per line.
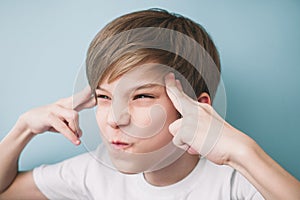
<point x="83" y="177"/>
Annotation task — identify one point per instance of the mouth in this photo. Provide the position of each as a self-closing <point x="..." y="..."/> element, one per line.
<point x="120" y="145"/>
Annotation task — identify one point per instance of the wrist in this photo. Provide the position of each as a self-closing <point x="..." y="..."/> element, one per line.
<point x="243" y="147"/>
<point x="21" y="132"/>
<point x="14" y="142"/>
<point x="232" y="147"/>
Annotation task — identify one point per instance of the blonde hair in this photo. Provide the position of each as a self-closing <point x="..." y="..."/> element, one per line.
<point x="115" y="50"/>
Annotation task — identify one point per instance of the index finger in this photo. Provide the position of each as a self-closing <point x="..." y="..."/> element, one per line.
<point x="83" y="99"/>
<point x="175" y="92"/>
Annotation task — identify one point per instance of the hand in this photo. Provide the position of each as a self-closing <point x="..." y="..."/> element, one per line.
<point x="200" y="130"/>
<point x="61" y="116"/>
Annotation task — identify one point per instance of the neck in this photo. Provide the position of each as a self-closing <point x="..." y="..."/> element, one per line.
<point x="174" y="172"/>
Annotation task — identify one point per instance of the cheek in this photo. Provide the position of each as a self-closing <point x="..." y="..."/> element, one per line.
<point x="145" y="121"/>
<point x="101" y="114"/>
<point x="163" y="137"/>
<point x="142" y="116"/>
<point x="171" y="116"/>
<point x="172" y="113"/>
<point x="156" y="115"/>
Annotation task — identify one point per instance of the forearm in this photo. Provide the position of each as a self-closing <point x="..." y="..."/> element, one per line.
<point x="11" y="147"/>
<point x="272" y="181"/>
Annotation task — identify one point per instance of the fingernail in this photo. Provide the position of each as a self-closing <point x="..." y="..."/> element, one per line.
<point x="192" y="151"/>
<point x="169" y="78"/>
<point x="77" y="142"/>
<point x="170" y="75"/>
<point x="79" y="133"/>
<point x="179" y="86"/>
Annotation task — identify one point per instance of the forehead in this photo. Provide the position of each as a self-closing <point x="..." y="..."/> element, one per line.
<point x="147" y="75"/>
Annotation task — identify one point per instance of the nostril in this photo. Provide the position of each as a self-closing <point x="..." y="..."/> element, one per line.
<point x="117" y="121"/>
<point x="111" y="122"/>
<point x="123" y="119"/>
<point x="114" y="125"/>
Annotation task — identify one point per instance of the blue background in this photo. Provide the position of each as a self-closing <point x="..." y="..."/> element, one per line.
<point x="43" y="43"/>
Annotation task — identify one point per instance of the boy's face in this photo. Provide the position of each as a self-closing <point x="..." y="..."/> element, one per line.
<point x="134" y="112"/>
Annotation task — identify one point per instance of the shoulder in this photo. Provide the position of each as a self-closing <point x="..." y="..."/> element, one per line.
<point x="75" y="176"/>
<point x="80" y="166"/>
<point x="212" y="171"/>
<point x="226" y="181"/>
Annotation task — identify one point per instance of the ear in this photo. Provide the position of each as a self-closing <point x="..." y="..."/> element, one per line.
<point x="204" y="98"/>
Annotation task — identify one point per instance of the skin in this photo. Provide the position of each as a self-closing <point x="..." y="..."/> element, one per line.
<point x="245" y="156"/>
<point x="139" y="98"/>
<point x="60" y="117"/>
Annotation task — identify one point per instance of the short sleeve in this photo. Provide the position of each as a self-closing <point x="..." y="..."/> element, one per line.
<point x="64" y="180"/>
<point x="241" y="188"/>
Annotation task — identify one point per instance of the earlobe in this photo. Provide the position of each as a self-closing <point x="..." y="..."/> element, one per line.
<point x="204" y="98"/>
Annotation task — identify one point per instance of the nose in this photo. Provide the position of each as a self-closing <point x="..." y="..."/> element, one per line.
<point x="118" y="117"/>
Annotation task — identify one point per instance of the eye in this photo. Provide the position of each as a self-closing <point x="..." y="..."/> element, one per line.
<point x="104" y="97"/>
<point x="143" y="96"/>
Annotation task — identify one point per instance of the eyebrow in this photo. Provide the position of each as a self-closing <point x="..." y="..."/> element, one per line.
<point x="100" y="88"/>
<point x="145" y="86"/>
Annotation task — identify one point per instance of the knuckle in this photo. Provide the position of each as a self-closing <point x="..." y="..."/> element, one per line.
<point x="50" y="115"/>
<point x="64" y="101"/>
<point x="63" y="128"/>
<point x="72" y="115"/>
<point x="51" y="108"/>
<point x="75" y="115"/>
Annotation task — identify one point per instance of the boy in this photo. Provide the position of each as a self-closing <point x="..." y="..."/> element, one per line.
<point x="152" y="125"/>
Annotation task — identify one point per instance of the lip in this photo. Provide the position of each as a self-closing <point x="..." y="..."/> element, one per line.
<point x="120" y="145"/>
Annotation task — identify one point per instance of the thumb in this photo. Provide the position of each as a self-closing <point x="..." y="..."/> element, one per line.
<point x="174" y="129"/>
<point x="175" y="126"/>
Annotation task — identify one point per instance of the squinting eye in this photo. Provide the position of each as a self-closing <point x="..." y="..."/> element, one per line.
<point x="100" y="96"/>
<point x="143" y="96"/>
